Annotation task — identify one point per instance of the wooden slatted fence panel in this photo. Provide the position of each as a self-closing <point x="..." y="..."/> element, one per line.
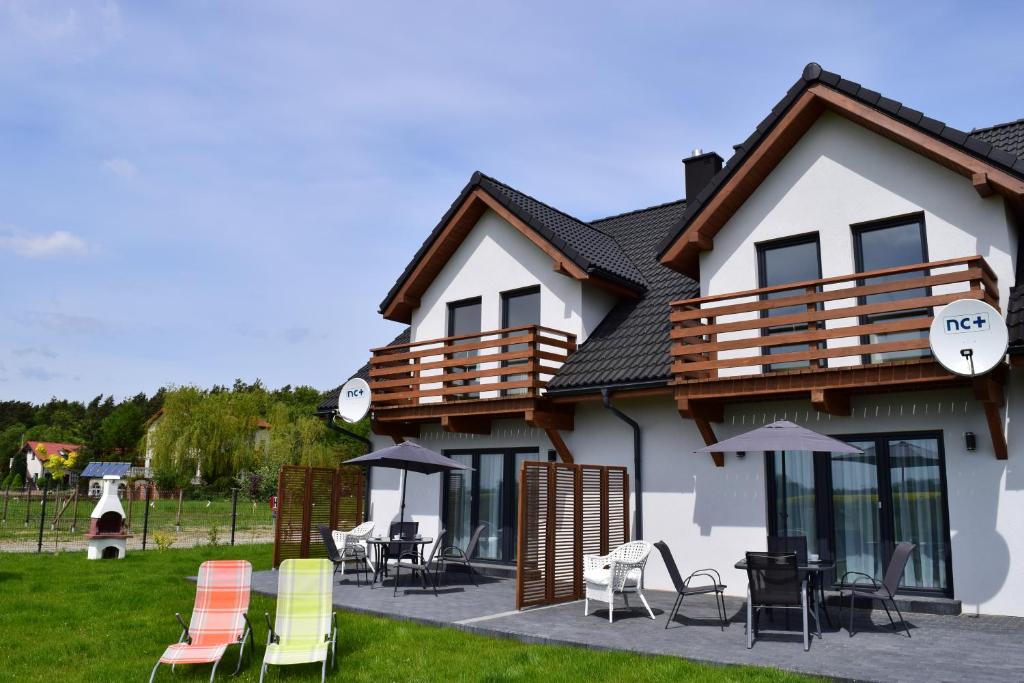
<point x="308" y="497"/>
<point x="290" y="528"/>
<point x="350" y="497"/>
<point x="566" y="511"/>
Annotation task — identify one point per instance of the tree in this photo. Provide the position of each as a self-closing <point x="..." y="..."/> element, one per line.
<point x="10" y="442"/>
<point x="122" y="429"/>
<point x="57" y="464"/>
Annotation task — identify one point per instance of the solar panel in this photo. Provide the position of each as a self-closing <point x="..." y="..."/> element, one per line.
<point x="102" y="469"/>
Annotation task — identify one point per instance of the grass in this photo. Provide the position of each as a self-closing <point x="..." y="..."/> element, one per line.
<point x="66" y="619"/>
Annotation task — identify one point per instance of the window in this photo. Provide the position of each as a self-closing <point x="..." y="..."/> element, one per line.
<point x="488" y="494"/>
<point x="855" y="508"/>
<point x="463" y="319"/>
<point x="888" y="244"/>
<point x="781" y="262"/>
<point x="519" y="308"/>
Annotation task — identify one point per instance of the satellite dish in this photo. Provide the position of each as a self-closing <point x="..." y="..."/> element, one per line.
<point x="968" y="337"/>
<point x="354" y="400"/>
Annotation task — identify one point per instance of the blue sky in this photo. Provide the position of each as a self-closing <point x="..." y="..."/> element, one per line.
<point x="196" y="191"/>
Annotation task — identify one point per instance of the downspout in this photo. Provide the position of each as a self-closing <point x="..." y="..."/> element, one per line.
<point x="638" y="516"/>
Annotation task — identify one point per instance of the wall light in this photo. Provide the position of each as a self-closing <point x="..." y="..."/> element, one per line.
<point x="970" y="441"/>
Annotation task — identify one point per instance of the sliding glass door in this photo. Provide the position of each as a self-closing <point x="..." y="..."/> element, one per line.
<point x="854" y="508"/>
<point x="487" y="495"/>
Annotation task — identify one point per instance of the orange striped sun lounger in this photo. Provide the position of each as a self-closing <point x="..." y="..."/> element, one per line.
<point x="218" y="618"/>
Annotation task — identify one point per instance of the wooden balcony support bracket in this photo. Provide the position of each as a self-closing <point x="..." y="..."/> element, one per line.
<point x="560" y="447"/>
<point x="693" y="409"/>
<point x="477" y="424"/>
<point x="831" y="401"/>
<point x="989" y="391"/>
<point x="396" y="430"/>
<point x="708" y="434"/>
<point x="545" y="419"/>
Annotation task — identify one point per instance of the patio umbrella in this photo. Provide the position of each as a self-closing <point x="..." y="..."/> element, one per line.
<point x="408" y="456"/>
<point x="780" y="436"/>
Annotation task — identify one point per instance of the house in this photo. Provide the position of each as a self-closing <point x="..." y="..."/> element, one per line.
<point x="839" y="227"/>
<point x="38" y="452"/>
<point x="94" y="473"/>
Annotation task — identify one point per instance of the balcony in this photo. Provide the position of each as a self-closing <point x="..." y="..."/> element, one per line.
<point x="826" y="337"/>
<point x="465" y="381"/>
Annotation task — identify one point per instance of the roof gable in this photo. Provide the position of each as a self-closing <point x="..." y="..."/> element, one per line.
<point x="990" y="169"/>
<point x="576" y="249"/>
<point x="52" y="448"/>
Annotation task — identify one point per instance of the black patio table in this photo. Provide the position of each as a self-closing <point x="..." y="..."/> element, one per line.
<point x="814" y="570"/>
<point x="379" y="544"/>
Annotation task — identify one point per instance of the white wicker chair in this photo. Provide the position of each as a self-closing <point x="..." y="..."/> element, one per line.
<point x="352" y="544"/>
<point x="620" y="571"/>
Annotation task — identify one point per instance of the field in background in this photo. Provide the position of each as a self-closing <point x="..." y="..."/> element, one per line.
<point x="184" y="523"/>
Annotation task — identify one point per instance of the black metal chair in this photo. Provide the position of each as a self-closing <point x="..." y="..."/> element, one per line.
<point x="405" y="531"/>
<point x="884" y="591"/>
<point x="683" y="587"/>
<point x="789" y="544"/>
<point x="412" y="562"/>
<point x="773" y="580"/>
<point x="455" y="555"/>
<point x="355" y="553"/>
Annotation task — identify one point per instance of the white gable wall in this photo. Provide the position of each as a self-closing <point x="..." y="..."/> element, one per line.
<point x="841" y="174"/>
<point x="496" y="258"/>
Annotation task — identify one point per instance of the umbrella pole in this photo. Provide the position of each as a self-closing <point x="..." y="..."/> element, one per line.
<point x="401" y="519"/>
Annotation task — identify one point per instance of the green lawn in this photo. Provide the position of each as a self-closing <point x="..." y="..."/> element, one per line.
<point x="65" y="619"/>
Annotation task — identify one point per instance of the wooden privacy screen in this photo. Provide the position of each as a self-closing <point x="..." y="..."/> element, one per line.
<point x="565" y="512"/>
<point x="308" y="496"/>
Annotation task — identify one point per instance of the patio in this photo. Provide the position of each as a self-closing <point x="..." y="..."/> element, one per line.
<point x="943" y="648"/>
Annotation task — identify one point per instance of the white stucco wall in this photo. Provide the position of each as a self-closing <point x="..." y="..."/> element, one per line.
<point x="710" y="516"/>
<point x="840" y="174"/>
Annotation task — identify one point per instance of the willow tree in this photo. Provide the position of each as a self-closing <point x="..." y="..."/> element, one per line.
<point x="208" y="432"/>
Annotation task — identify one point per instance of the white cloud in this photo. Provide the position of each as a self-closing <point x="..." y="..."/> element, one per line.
<point x="121" y="167"/>
<point x="57" y="243"/>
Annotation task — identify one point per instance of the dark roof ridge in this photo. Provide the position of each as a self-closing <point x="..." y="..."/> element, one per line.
<point x="630" y="213"/>
<point x="542" y="203"/>
<point x="997" y="125"/>
<point x="812" y="74"/>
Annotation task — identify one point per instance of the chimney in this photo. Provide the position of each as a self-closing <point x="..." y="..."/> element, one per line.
<point x="700" y="168"/>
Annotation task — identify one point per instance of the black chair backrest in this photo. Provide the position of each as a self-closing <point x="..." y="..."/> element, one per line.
<point x="789" y="544"/>
<point x="404" y="529"/>
<point x="670" y="564"/>
<point x="439" y="543"/>
<point x="474" y="541"/>
<point x="332" y="549"/>
<point x="898" y="563"/>
<point x="774" y="579"/>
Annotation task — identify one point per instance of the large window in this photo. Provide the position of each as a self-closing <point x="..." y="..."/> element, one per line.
<point x="854" y="508"/>
<point x="518" y="308"/>
<point x="782" y="262"/>
<point x="889" y="244"/>
<point x="488" y="495"/>
<point x="463" y="319"/>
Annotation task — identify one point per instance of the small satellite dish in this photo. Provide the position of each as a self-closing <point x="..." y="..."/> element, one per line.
<point x="354" y="400"/>
<point x="968" y="337"/>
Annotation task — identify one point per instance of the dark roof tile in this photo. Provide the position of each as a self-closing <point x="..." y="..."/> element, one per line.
<point x="1006" y="136"/>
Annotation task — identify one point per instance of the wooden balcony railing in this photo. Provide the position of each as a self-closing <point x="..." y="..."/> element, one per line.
<point x="832" y="322"/>
<point x="510" y="362"/>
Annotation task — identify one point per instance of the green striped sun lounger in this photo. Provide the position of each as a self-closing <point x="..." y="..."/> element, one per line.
<point x="305" y="628"/>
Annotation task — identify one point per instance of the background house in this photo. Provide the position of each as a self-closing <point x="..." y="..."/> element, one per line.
<point x="38" y="452"/>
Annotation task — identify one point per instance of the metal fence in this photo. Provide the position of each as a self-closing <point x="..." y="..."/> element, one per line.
<point x="31" y="522"/>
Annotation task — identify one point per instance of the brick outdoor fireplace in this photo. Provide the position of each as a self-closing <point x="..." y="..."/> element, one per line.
<point x="107" y="538"/>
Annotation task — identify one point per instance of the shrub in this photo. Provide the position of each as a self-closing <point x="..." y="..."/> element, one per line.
<point x="213" y="535"/>
<point x="163" y="539"/>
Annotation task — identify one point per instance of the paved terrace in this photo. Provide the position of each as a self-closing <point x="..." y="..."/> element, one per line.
<point x="943" y="648"/>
